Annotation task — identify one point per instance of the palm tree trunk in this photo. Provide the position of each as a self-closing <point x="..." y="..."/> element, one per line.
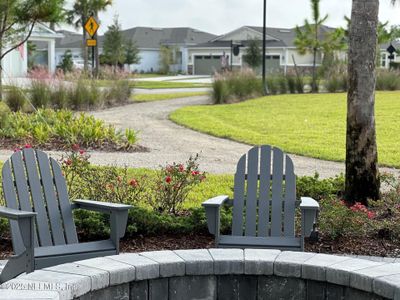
<point x="362" y="175"/>
<point x="1" y="71"/>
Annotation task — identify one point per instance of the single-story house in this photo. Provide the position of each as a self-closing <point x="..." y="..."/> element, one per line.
<point x="148" y="40"/>
<point x="281" y="53"/>
<point x="15" y="64"/>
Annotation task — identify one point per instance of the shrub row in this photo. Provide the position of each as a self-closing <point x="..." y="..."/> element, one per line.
<point x="61" y="127"/>
<point x="82" y="95"/>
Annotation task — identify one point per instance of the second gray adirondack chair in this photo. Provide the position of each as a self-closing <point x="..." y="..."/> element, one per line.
<point x="42" y="226"/>
<point x="264" y="204"/>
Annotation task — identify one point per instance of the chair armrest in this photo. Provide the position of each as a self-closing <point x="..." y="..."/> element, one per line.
<point x="15" y="214"/>
<point x="104" y="207"/>
<point x="308" y="203"/>
<point x="118" y="216"/>
<point x="213" y="209"/>
<point x="216" y="201"/>
<point x="309" y="213"/>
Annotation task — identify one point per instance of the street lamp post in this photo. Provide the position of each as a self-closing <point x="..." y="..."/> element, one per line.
<point x="264" y="48"/>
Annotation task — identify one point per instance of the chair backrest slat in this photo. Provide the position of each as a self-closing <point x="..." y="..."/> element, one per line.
<point x="268" y="203"/>
<point x="276" y="217"/>
<point x="251" y="198"/>
<point x="290" y="199"/>
<point x="265" y="194"/>
<point x="10" y="196"/>
<point x="65" y="205"/>
<point x="42" y="219"/>
<point x="21" y="183"/>
<point x="51" y="200"/>
<point x="237" y="218"/>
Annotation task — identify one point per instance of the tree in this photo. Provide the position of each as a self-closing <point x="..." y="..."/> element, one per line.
<point x="309" y="39"/>
<point x="166" y="59"/>
<point x="19" y="17"/>
<point x="131" y="53"/>
<point x="113" y="45"/>
<point x="80" y="13"/>
<point x="362" y="175"/>
<point x="253" y="55"/>
<point x="67" y="63"/>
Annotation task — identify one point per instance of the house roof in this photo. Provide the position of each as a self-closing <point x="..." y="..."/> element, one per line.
<point x="146" y="37"/>
<point x="227" y="44"/>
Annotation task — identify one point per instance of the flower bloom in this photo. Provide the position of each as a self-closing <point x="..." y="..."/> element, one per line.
<point x="133" y="182"/>
<point x="181" y="168"/>
<point x="28" y="146"/>
<point x="194" y="173"/>
<point x="371" y="215"/>
<point x="68" y="162"/>
<point x="75" y="147"/>
<point x="81" y="152"/>
<point x="168" y="179"/>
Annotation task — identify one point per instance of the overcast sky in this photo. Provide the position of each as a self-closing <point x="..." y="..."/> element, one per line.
<point x="221" y="16"/>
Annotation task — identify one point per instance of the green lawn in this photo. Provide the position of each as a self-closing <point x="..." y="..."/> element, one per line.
<point x="158" y="97"/>
<point x="310" y="125"/>
<point x="167" y="85"/>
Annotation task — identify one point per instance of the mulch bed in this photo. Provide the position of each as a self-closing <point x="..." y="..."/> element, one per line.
<point x="59" y="145"/>
<point x="354" y="246"/>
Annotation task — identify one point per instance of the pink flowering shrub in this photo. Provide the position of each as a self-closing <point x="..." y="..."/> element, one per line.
<point x="173" y="184"/>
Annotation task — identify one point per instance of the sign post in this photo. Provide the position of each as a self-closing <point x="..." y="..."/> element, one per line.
<point x="91" y="27"/>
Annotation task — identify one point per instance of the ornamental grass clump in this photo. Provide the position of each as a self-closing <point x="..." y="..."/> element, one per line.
<point x="15" y="98"/>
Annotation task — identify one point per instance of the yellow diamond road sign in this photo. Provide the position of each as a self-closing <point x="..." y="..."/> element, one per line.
<point x="91" y="26"/>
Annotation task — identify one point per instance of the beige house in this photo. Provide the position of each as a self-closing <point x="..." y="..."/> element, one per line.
<point x="281" y="55"/>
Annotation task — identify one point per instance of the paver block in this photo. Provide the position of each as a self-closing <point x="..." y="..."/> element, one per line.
<point x="386" y="286"/>
<point x="198" y="262"/>
<point x="21" y="295"/>
<point x="193" y="287"/>
<point x="315" y="267"/>
<point x="260" y="261"/>
<point x="145" y="267"/>
<point x="289" y="264"/>
<point x="339" y="273"/>
<point x="273" y="287"/>
<point x="99" y="278"/>
<point x="69" y="286"/>
<point x="170" y="263"/>
<point x="228" y="261"/>
<point x="362" y="279"/>
<point x="119" y="272"/>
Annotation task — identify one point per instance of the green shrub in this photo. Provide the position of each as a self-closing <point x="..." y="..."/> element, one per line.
<point x="299" y="85"/>
<point x="119" y="93"/>
<point x="15" y="98"/>
<point x="387" y="80"/>
<point x="236" y="86"/>
<point x="272" y="85"/>
<point x="314" y="187"/>
<point x="4" y="112"/>
<point x="62" y="127"/>
<point x="291" y="83"/>
<point x="59" y="97"/>
<point x="85" y="95"/>
<point x="333" y="84"/>
<point x="282" y="82"/>
<point x="40" y="94"/>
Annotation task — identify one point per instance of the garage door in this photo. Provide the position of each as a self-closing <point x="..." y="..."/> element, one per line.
<point x="207" y="64"/>
<point x="272" y="63"/>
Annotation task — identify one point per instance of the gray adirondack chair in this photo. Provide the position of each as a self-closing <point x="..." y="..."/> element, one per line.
<point x="40" y="213"/>
<point x="264" y="204"/>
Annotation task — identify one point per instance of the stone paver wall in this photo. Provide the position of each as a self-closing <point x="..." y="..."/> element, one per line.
<point x="212" y="274"/>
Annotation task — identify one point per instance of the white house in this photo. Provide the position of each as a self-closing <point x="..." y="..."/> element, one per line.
<point x="148" y="40"/>
<point x="15" y="64"/>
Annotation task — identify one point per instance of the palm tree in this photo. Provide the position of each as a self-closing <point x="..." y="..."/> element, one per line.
<point x="362" y="174"/>
<point x="78" y="15"/>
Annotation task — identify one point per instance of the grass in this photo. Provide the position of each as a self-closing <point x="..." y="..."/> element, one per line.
<point x="148" y="75"/>
<point x="310" y="125"/>
<point x="159" y="97"/>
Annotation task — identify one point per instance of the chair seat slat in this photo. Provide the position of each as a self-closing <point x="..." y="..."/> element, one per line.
<point x="237" y="218"/>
